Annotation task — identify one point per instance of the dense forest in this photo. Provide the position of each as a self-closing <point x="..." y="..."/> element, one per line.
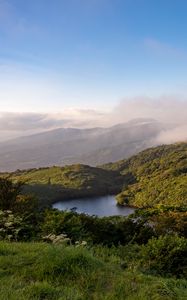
<point x="156" y="176"/>
<point x="51" y="254"/>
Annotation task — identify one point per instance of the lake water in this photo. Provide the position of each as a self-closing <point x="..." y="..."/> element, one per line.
<point x="100" y="206"/>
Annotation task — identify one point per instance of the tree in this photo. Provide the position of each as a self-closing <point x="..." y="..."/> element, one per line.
<point x="9" y="193"/>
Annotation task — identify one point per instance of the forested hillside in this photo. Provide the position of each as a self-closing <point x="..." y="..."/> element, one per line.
<point x="156" y="175"/>
<point x="58" y="183"/>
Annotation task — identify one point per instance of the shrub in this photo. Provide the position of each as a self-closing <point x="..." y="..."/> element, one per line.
<point x="9" y="192"/>
<point x="165" y="255"/>
<point x="13" y="227"/>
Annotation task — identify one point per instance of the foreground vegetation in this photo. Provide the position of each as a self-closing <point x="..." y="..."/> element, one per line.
<point x="49" y="254"/>
<point x="42" y="271"/>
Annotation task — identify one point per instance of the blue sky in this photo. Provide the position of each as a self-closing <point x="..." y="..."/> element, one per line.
<point x="90" y="54"/>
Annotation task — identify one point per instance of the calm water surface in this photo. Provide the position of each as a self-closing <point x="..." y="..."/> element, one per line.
<point x="100" y="206"/>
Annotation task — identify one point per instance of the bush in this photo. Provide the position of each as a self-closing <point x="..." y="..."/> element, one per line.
<point x="165" y="255"/>
<point x="14" y="227"/>
<point x="9" y="192"/>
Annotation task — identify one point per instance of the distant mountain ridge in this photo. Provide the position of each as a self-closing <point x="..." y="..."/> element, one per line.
<point x="72" y="145"/>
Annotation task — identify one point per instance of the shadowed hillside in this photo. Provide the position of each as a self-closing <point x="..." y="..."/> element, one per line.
<point x="58" y="183"/>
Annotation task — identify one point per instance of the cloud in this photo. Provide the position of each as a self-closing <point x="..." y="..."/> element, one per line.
<point x="168" y="108"/>
<point x="18" y="124"/>
<point x="171" y="111"/>
<point x="176" y="134"/>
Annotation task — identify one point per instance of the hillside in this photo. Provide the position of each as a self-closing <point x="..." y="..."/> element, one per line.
<point x="154" y="176"/>
<point x="40" y="271"/>
<point x="157" y="176"/>
<point x="71" y="145"/>
<point x="58" y="183"/>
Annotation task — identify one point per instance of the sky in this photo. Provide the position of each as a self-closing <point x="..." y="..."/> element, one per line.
<point x="61" y="55"/>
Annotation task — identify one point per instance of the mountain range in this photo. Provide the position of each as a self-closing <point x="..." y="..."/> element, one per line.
<point x="93" y="146"/>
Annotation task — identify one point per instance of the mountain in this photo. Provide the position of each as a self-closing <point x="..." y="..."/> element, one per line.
<point x="87" y="146"/>
<point x="154" y="176"/>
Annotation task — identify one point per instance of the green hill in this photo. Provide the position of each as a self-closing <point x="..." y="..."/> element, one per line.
<point x="58" y="183"/>
<point x="154" y="176"/>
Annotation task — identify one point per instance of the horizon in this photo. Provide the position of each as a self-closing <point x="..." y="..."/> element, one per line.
<point x="91" y="63"/>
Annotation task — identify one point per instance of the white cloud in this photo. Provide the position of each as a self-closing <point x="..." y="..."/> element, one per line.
<point x="170" y="110"/>
<point x="18" y="124"/>
<point x="176" y="134"/>
<point x="167" y="109"/>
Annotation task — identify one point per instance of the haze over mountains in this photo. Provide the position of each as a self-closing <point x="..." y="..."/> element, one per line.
<point x="92" y="146"/>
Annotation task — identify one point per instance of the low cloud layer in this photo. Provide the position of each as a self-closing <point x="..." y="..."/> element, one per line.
<point x="168" y="110"/>
<point x="13" y="125"/>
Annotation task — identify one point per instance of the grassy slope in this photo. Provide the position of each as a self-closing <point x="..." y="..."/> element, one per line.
<point x="42" y="271"/>
<point x="159" y="176"/>
<point x="58" y="183"/>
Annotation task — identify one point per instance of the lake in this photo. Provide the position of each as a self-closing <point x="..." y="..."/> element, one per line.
<point x="100" y="206"/>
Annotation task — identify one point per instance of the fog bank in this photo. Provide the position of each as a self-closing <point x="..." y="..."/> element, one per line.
<point x="166" y="109"/>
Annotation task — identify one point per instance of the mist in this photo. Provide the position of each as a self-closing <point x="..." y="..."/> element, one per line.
<point x="14" y="125"/>
<point x="169" y="110"/>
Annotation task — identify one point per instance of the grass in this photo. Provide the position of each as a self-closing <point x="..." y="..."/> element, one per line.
<point x="43" y="271"/>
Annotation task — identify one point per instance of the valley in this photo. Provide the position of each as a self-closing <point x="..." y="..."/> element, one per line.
<point x="152" y="177"/>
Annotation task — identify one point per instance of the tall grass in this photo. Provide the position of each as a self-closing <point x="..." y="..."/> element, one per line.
<point x="42" y="271"/>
